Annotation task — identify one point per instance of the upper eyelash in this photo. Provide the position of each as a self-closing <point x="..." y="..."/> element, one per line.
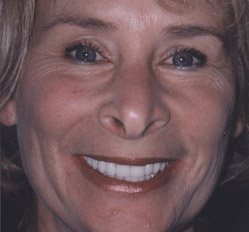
<point x="76" y="45"/>
<point x="199" y="55"/>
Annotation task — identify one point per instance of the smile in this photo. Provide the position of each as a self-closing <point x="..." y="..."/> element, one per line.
<point x="129" y="176"/>
<point x="129" y="173"/>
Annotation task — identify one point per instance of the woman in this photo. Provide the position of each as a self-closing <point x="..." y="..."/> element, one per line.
<point x="128" y="114"/>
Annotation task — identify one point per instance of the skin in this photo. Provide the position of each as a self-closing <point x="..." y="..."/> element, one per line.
<point x="63" y="108"/>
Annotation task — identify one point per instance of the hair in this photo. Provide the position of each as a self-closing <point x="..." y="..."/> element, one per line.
<point x="237" y="34"/>
<point x="16" y="25"/>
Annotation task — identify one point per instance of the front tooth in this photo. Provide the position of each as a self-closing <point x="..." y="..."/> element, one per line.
<point x="147" y="177"/>
<point x="122" y="171"/>
<point x="141" y="178"/>
<point x="134" y="179"/>
<point x="156" y="168"/>
<point x="137" y="171"/>
<point x="110" y="169"/>
<point x="129" y="178"/>
<point x="102" y="166"/>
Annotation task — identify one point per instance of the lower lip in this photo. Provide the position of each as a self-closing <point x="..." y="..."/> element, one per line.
<point x="121" y="186"/>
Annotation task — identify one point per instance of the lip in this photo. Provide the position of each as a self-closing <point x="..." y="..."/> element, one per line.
<point x="122" y="186"/>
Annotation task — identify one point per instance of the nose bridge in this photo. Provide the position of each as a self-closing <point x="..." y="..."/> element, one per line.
<point x="136" y="93"/>
<point x="134" y="109"/>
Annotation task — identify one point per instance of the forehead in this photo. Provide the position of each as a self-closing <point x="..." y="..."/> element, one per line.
<point x="211" y="9"/>
<point x="167" y="4"/>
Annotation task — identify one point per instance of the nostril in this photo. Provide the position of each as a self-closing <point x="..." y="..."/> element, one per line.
<point x="118" y="123"/>
<point x="153" y="126"/>
<point x="114" y="125"/>
<point x="132" y="127"/>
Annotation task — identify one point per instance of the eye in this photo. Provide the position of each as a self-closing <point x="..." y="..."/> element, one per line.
<point x="85" y="53"/>
<point x="186" y="59"/>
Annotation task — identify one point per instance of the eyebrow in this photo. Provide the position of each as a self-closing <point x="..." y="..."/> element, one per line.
<point x="84" y="22"/>
<point x="177" y="31"/>
<point x="189" y="31"/>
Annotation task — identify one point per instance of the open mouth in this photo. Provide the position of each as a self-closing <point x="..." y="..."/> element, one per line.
<point x="129" y="173"/>
<point x="127" y="176"/>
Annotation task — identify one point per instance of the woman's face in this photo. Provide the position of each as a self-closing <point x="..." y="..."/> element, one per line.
<point x="142" y="92"/>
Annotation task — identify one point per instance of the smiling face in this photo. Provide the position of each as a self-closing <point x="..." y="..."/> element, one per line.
<point x="123" y="112"/>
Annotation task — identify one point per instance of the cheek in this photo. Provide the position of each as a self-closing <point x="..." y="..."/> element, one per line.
<point x="205" y="111"/>
<point x="202" y="113"/>
<point x="53" y="105"/>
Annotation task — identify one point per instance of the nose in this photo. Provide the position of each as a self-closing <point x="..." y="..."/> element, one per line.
<point x="135" y="108"/>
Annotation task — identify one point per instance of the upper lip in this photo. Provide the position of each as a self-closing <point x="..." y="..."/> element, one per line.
<point x="130" y="161"/>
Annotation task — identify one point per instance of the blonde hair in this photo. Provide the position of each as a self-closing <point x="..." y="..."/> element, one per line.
<point x="16" y="22"/>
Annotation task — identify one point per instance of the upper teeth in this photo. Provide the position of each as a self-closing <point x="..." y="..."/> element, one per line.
<point x="126" y="172"/>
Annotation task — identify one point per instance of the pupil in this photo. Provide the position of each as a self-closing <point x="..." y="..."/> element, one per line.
<point x="183" y="60"/>
<point x="86" y="54"/>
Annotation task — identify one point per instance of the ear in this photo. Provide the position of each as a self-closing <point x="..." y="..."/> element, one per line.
<point x="8" y="113"/>
<point x="238" y="127"/>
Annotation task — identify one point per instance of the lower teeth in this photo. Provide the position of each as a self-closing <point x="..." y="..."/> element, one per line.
<point x="127" y="172"/>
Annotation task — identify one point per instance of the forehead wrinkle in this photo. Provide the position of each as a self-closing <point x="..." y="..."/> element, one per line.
<point x="208" y="8"/>
<point x="175" y="6"/>
<point x="179" y="6"/>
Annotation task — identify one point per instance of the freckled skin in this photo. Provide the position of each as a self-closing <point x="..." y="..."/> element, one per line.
<point x="64" y="108"/>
